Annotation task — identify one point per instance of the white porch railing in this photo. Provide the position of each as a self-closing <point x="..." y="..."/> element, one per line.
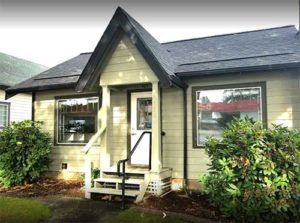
<point x="86" y="149"/>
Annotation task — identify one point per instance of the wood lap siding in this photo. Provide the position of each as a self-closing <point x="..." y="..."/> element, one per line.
<point x="126" y="66"/>
<point x="45" y="111"/>
<point x="20" y="106"/>
<point x="118" y="127"/>
<point x="172" y="125"/>
<point x="283" y="107"/>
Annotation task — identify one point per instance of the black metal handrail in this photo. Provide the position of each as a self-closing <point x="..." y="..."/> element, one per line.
<point x="123" y="162"/>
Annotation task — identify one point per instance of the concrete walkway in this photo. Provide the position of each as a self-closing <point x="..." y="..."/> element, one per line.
<point x="75" y="210"/>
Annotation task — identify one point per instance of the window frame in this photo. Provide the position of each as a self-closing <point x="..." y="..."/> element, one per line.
<point x="262" y="85"/>
<point x="57" y="98"/>
<point x="7" y="104"/>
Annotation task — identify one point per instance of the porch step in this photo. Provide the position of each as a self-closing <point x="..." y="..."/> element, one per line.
<point x="111" y="172"/>
<point x="129" y="193"/>
<point x="129" y="170"/>
<point x="118" y="180"/>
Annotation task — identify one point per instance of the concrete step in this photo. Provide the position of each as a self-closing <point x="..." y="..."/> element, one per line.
<point x="129" y="193"/>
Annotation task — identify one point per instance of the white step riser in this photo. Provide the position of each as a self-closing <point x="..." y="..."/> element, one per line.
<point x="117" y="184"/>
<point x="131" y="193"/>
<point x="118" y="180"/>
<point x="115" y="175"/>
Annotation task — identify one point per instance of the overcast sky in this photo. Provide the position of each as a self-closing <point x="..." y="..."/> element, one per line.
<point x="51" y="31"/>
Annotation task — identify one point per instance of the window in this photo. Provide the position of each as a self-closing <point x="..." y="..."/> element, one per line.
<point x="4" y="114"/>
<point x="76" y="119"/>
<point x="144" y="113"/>
<point x="214" y="107"/>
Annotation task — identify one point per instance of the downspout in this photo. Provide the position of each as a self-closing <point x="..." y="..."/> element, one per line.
<point x="185" y="147"/>
<point x="33" y="107"/>
<point x="185" y="151"/>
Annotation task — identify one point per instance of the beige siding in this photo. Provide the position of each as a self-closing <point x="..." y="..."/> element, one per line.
<point x="20" y="106"/>
<point x="118" y="127"/>
<point x="283" y="107"/>
<point x="126" y="66"/>
<point x="172" y="125"/>
<point x="45" y="111"/>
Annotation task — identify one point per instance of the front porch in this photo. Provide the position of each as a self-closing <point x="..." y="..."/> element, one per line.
<point x="123" y="134"/>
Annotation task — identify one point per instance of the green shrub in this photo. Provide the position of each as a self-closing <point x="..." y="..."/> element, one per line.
<point x="254" y="175"/>
<point x="24" y="151"/>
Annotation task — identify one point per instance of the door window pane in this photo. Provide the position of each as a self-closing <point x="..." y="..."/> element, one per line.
<point x="77" y="119"/>
<point x="144" y="113"/>
<point x="215" y="108"/>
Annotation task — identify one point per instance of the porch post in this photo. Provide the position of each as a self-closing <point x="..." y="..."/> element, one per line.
<point x="104" y="120"/>
<point x="156" y="129"/>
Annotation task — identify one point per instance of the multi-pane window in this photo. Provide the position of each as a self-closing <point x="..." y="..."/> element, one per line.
<point x="4" y="114"/>
<point x="76" y="119"/>
<point x="216" y="107"/>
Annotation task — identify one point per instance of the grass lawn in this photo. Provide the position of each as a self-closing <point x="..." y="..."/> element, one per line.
<point x="14" y="210"/>
<point x="133" y="216"/>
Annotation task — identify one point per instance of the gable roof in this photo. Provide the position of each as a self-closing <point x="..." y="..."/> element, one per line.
<point x="14" y="70"/>
<point x="172" y="62"/>
<point x="154" y="53"/>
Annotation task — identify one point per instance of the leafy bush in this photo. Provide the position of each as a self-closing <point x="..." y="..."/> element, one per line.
<point x="24" y="151"/>
<point x="95" y="173"/>
<point x="254" y="173"/>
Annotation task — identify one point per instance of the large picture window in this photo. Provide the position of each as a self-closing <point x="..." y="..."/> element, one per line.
<point x="216" y="106"/>
<point x="4" y="114"/>
<point x="76" y="119"/>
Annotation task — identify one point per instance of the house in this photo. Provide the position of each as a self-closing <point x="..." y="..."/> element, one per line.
<point x="14" y="70"/>
<point x="160" y="100"/>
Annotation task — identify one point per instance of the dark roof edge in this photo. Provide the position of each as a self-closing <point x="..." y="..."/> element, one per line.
<point x="40" y="88"/>
<point x="238" y="70"/>
<point x="228" y="34"/>
<point x="85" y="53"/>
<point x="149" y="56"/>
<point x="57" y="77"/>
<point x="4" y="87"/>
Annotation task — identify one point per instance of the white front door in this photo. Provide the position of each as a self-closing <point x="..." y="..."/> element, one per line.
<point x="141" y="121"/>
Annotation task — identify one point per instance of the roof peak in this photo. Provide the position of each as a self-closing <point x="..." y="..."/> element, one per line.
<point x="124" y="24"/>
<point x="229" y="34"/>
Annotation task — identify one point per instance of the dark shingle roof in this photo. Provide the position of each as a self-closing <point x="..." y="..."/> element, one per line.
<point x="159" y="52"/>
<point x="65" y="74"/>
<point x="266" y="47"/>
<point x="13" y="70"/>
<point x="246" y="51"/>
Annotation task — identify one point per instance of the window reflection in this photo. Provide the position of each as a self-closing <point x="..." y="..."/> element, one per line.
<point x="77" y="118"/>
<point x="144" y="113"/>
<point x="216" y="108"/>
